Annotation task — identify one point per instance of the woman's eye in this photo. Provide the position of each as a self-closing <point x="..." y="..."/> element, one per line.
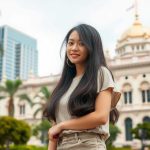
<point x="81" y="44"/>
<point x="70" y="43"/>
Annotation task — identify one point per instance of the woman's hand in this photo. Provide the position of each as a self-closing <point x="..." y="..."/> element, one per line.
<point x="54" y="132"/>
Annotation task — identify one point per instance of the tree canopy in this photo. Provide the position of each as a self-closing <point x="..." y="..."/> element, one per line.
<point x="142" y="131"/>
<point x="13" y="131"/>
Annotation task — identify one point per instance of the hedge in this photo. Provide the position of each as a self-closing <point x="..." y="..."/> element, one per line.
<point x="25" y="147"/>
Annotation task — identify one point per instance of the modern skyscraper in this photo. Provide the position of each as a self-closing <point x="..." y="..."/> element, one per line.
<point x="20" y="55"/>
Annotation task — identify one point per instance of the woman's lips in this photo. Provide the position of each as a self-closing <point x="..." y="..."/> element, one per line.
<point x="74" y="55"/>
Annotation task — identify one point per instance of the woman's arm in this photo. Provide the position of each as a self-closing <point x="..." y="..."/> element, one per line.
<point x="98" y="117"/>
<point x="92" y="120"/>
<point x="53" y="142"/>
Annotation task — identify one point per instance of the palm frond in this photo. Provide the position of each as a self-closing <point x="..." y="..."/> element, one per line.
<point x="16" y="85"/>
<point x="2" y="97"/>
<point x="45" y="92"/>
<point x="9" y="87"/>
<point x="44" y="95"/>
<point x="36" y="103"/>
<point x="12" y="86"/>
<point x="36" y="112"/>
<point x="37" y="95"/>
<point x="2" y="89"/>
<point x="26" y="98"/>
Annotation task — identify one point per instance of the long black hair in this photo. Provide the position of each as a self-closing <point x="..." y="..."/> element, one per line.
<point x="82" y="99"/>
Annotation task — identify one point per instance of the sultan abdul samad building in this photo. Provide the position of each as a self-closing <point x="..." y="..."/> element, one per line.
<point x="131" y="69"/>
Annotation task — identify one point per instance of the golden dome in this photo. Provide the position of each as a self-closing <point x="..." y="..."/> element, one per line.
<point x="136" y="30"/>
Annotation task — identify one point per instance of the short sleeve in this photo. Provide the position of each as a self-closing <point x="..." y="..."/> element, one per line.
<point x="108" y="82"/>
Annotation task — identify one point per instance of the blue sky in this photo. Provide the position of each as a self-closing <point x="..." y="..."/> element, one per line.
<point x="49" y="20"/>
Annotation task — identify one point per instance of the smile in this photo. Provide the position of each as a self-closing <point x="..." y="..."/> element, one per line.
<point x="74" y="55"/>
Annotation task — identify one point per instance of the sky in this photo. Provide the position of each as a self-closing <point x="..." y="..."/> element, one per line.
<point x="48" y="21"/>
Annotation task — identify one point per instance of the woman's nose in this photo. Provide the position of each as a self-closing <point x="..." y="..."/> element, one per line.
<point x="75" y="47"/>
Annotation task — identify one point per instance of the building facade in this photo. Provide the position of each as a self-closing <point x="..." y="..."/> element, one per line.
<point x="131" y="68"/>
<point x="20" y="55"/>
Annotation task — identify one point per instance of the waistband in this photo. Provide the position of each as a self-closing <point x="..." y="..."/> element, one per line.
<point x="81" y="134"/>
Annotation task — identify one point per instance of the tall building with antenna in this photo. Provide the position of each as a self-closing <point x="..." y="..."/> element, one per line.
<point x="20" y="54"/>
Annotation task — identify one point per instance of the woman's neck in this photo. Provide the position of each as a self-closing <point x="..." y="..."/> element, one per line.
<point x="80" y="69"/>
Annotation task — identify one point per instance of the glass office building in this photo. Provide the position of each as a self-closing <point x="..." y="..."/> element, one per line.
<point x="20" y="55"/>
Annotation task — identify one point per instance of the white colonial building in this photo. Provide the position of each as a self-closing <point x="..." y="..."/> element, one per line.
<point x="131" y="68"/>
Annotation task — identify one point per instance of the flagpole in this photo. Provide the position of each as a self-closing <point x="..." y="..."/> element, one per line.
<point x="136" y="10"/>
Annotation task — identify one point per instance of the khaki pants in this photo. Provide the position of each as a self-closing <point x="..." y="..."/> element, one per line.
<point x="81" y="141"/>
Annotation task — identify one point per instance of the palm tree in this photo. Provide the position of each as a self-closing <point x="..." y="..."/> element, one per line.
<point x="44" y="94"/>
<point x="10" y="89"/>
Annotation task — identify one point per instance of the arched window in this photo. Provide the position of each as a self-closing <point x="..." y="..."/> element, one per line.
<point x="144" y="132"/>
<point x="128" y="127"/>
<point x="132" y="47"/>
<point x="142" y="46"/>
<point x="146" y="119"/>
<point x="127" y="92"/>
<point x="145" y="92"/>
<point x="22" y="109"/>
<point x="137" y="47"/>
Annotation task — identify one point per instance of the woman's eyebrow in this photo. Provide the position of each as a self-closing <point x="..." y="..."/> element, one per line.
<point x="73" y="40"/>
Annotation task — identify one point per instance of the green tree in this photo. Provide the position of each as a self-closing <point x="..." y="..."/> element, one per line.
<point x="142" y="131"/>
<point x="44" y="95"/>
<point x="114" y="131"/>
<point x="10" y="89"/>
<point x="13" y="131"/>
<point x="41" y="130"/>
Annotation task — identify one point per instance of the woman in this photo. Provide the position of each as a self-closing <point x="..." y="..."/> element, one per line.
<point x="84" y="99"/>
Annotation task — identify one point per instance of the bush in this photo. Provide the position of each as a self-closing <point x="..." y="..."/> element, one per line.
<point x="142" y="131"/>
<point x="26" y="147"/>
<point x="13" y="131"/>
<point x="118" y="148"/>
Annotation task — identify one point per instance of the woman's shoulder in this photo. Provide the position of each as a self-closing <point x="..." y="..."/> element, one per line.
<point x="105" y="70"/>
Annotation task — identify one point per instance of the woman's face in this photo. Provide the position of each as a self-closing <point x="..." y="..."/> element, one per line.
<point x="76" y="50"/>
